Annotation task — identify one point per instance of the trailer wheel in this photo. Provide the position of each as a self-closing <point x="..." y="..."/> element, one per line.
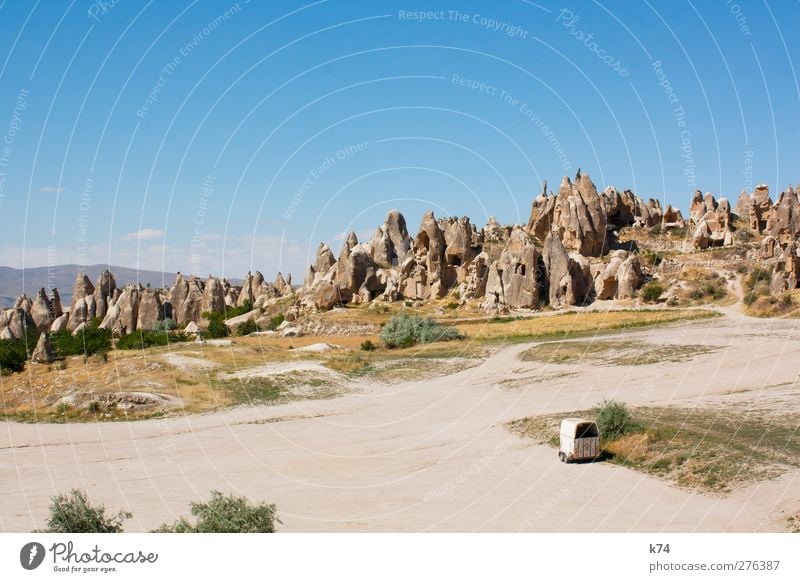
<point x="563" y="457"/>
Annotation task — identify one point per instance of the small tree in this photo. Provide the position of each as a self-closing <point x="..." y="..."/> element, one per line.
<point x="13" y="355"/>
<point x="167" y="324"/>
<point x="226" y="515"/>
<point x="652" y="291"/>
<point x="216" y="324"/>
<point x="247" y="327"/>
<point x="614" y="420"/>
<point x="406" y="330"/>
<point x="72" y="513"/>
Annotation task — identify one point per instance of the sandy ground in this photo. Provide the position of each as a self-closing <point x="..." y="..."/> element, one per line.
<point x="423" y="456"/>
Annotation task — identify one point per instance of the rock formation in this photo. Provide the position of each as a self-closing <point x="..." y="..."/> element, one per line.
<point x="713" y="227"/>
<point x="43" y="352"/>
<point x="83" y="308"/>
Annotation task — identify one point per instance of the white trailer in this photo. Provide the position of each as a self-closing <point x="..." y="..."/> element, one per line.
<point x="580" y="440"/>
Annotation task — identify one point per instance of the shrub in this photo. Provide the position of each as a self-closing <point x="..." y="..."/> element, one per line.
<point x="167" y="324"/>
<point x="230" y="312"/>
<point x="226" y="515"/>
<point x="452" y="305"/>
<point x="72" y="513"/>
<point x="653" y="258"/>
<point x="246" y="327"/>
<point x="406" y="330"/>
<point x="368" y="346"/>
<point x="757" y="276"/>
<point x="275" y="321"/>
<point x="216" y="323"/>
<point x="652" y="291"/>
<point x="711" y="290"/>
<point x="89" y="340"/>
<point x="614" y="420"/>
<point x="13" y="355"/>
<point x="142" y="339"/>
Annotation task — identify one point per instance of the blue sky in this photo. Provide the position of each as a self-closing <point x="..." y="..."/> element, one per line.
<point x="214" y="137"/>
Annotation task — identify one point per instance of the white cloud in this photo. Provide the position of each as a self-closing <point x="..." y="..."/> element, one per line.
<point x="55" y="189"/>
<point x="144" y="234"/>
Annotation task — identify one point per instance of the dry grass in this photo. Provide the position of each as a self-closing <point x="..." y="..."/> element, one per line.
<point x="701" y="286"/>
<point x="612" y="352"/>
<point x="715" y="450"/>
<point x="575" y="323"/>
<point x="794" y="523"/>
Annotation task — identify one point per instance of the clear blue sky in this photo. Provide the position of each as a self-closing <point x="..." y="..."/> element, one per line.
<point x="225" y="168"/>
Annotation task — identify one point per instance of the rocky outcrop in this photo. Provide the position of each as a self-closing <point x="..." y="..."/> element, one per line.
<point x="59" y="323"/>
<point x="606" y="281"/>
<point x="569" y="279"/>
<point x="786" y="274"/>
<point x="391" y="243"/>
<point x="714" y="227"/>
<point x="150" y="309"/>
<point x="127" y="310"/>
<point x="191" y="307"/>
<point x="760" y="209"/>
<point x="742" y="209"/>
<point x="429" y="245"/>
<point x="83" y="307"/>
<point x="326" y="296"/>
<point x="213" y="299"/>
<point x="630" y="277"/>
<point x="587" y="221"/>
<point x="40" y="311"/>
<point x="104" y="292"/>
<point x="672" y="218"/>
<point x="494" y="232"/>
<point x="784" y="220"/>
<point x="579" y="217"/>
<point x="43" y="352"/>
<point x="18" y="323"/>
<point x="516" y="279"/>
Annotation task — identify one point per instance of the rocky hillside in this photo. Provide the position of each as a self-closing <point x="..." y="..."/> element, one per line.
<point x="569" y="253"/>
<point x="14" y="282"/>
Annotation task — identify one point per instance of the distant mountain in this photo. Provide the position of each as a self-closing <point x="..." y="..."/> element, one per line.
<point x="63" y="278"/>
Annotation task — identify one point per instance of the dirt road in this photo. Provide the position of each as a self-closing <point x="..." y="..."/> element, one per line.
<point x="422" y="456"/>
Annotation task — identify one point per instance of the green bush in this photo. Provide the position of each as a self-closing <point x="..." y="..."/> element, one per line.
<point x="216" y="324"/>
<point x="652" y="291"/>
<point x="88" y="341"/>
<point x="226" y="515"/>
<point x="72" y="513"/>
<point x="452" y="305"/>
<point x="758" y="275"/>
<point x="230" y="312"/>
<point x="406" y="330"/>
<point x="275" y="321"/>
<point x="246" y="327"/>
<point x="142" y="339"/>
<point x="13" y="355"/>
<point x="712" y="290"/>
<point x="653" y="258"/>
<point x="368" y="346"/>
<point x="614" y="420"/>
<point x="167" y="324"/>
